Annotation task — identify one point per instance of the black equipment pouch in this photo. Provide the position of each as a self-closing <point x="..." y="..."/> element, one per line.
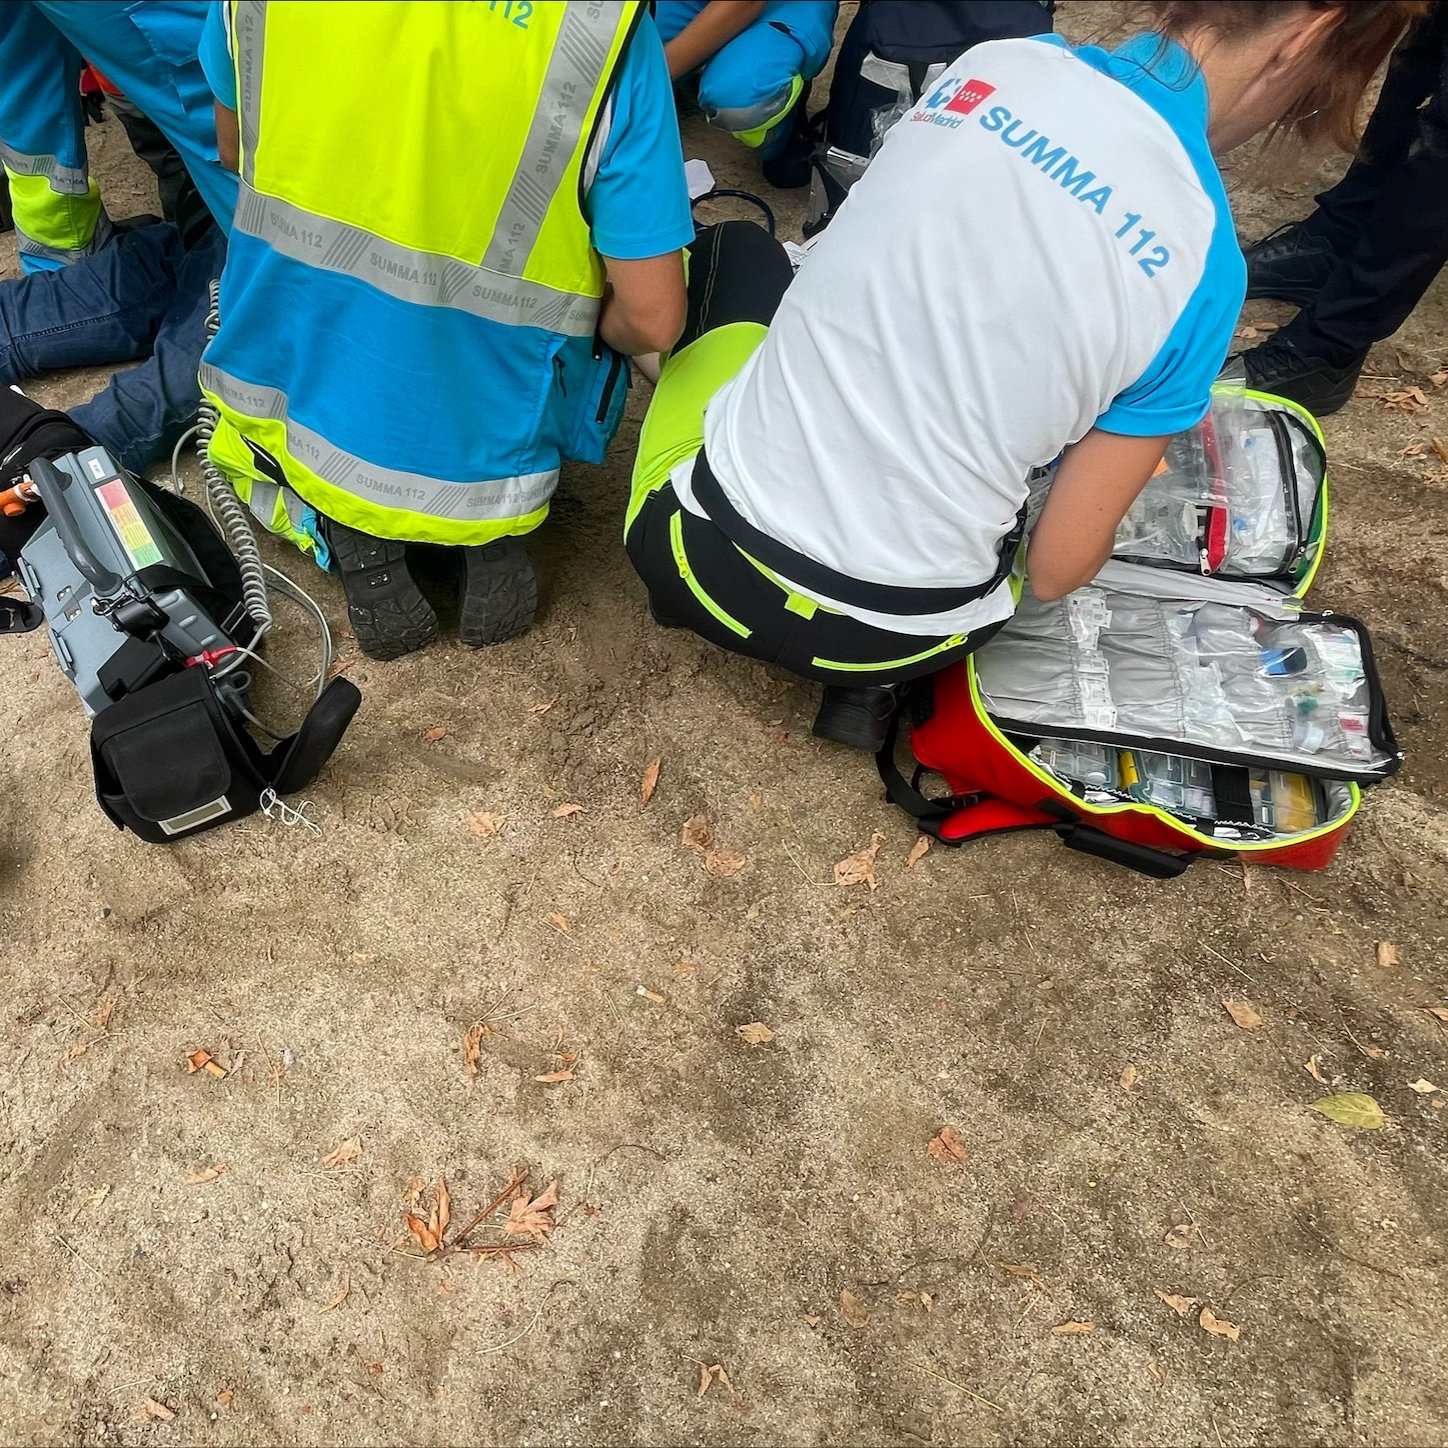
<point x="171" y="760"/>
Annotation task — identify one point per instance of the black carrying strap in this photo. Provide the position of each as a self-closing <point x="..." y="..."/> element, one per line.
<point x="297" y="761"/>
<point x="17" y="615"/>
<point x="825" y="582"/>
<point x="1072" y="832"/>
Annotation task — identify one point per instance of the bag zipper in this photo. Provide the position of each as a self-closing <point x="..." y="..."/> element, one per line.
<point x="609" y="384"/>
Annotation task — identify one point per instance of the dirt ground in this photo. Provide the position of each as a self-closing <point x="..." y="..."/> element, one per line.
<point x="716" y="1197"/>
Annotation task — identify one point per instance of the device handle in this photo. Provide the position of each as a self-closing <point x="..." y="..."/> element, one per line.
<point x="54" y="488"/>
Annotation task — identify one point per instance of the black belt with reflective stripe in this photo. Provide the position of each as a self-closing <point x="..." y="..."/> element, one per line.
<point x="800" y="569"/>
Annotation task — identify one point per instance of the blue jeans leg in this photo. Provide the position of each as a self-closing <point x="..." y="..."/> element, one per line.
<point x="145" y="409"/>
<point x="101" y="309"/>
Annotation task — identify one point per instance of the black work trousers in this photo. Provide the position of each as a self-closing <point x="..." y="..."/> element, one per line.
<point x="1387" y="219"/>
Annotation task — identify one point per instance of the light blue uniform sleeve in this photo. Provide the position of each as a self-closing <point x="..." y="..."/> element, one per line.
<point x="215" y="56"/>
<point x="1175" y="392"/>
<point x="638" y="204"/>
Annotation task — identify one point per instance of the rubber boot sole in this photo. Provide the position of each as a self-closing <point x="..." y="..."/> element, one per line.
<point x="387" y="610"/>
<point x="500" y="593"/>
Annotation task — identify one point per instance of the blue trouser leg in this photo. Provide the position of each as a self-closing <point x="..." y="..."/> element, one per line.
<point x="749" y="83"/>
<point x="102" y="308"/>
<point x="145" y="409"/>
<point x="42" y="136"/>
<point x="143" y="297"/>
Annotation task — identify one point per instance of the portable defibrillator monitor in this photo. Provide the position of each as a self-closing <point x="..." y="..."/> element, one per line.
<point x="123" y="591"/>
<point x="154" y="620"/>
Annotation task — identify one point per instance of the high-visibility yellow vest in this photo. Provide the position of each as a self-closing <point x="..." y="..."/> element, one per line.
<point x="435" y="154"/>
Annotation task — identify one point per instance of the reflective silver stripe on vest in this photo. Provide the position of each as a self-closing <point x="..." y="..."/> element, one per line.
<point x="487" y="500"/>
<point x="408" y="273"/>
<point x="575" y="68"/>
<point x="67" y="180"/>
<point x="263" y="504"/>
<point x="248" y="25"/>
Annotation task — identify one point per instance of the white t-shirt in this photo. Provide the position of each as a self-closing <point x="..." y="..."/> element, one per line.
<point x="1042" y="247"/>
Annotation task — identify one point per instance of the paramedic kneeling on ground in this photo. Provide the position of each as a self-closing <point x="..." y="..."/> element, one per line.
<point x="1041" y="257"/>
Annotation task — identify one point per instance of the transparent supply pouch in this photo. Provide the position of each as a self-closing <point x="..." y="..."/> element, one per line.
<point x="1239" y="495"/>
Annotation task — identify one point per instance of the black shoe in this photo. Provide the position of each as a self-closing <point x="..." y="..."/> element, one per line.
<point x="387" y="609"/>
<point x="500" y="593"/>
<point x="789" y="167"/>
<point x="1276" y="366"/>
<point x="857" y="715"/>
<point x="1289" y="265"/>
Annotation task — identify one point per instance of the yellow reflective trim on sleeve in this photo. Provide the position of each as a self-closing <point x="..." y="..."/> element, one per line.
<point x="681" y="561"/>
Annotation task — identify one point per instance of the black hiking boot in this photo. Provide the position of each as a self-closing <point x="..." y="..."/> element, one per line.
<point x="858" y="715"/>
<point x="1276" y="366"/>
<point x="387" y="609"/>
<point x="500" y="593"/>
<point x="1288" y="265"/>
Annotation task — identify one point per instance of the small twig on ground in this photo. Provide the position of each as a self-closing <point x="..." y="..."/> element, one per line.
<point x="518" y="1178"/>
<point x="532" y="1322"/>
<point x="959" y="1387"/>
<point x="89" y="1265"/>
<point x="1226" y="961"/>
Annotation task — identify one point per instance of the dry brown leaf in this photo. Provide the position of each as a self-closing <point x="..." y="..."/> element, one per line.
<point x="1412" y="450"/>
<point x="756" y="1033"/>
<point x="697" y="834"/>
<point x="946" y="1146"/>
<point x="756" y="801"/>
<point x="1157" y="1371"/>
<point x="564" y="810"/>
<point x="196" y="1061"/>
<point x="552" y="1078"/>
<point x="483" y="826"/>
<point x="343" y="1152"/>
<point x="1313" y="1066"/>
<point x="1130" y="1075"/>
<point x="1438" y="379"/>
<point x="1373" y="1053"/>
<point x="102" y="1017"/>
<point x="541" y="708"/>
<point x="1386" y="954"/>
<point x="1441" y="448"/>
<point x="918" y="851"/>
<point x="441" y="1214"/>
<point x="199" y="1176"/>
<point x="1218" y="1326"/>
<point x="684" y="967"/>
<point x="1181" y="1236"/>
<point x="859" y="868"/>
<point x="560" y="922"/>
<point x="425" y="1237"/>
<point x="434" y="734"/>
<point x="1439" y="1013"/>
<point x="225" y="1396"/>
<point x="710" y="1373"/>
<point x="650" y="780"/>
<point x="473" y="1049"/>
<point x="1422" y="1087"/>
<point x="338" y="1298"/>
<point x="810" y="1319"/>
<point x="1073" y="1329"/>
<point x="149" y="1408"/>
<point x="1244" y="1014"/>
<point x="1027" y="1274"/>
<point x="532" y="1219"/>
<point x="852" y="1309"/>
<point x="1178" y="1304"/>
<point x="724" y="864"/>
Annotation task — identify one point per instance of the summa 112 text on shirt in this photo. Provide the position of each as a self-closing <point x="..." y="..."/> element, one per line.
<point x="952" y="101"/>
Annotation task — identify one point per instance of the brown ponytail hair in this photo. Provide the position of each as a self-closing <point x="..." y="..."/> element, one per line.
<point x="1361" y="39"/>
